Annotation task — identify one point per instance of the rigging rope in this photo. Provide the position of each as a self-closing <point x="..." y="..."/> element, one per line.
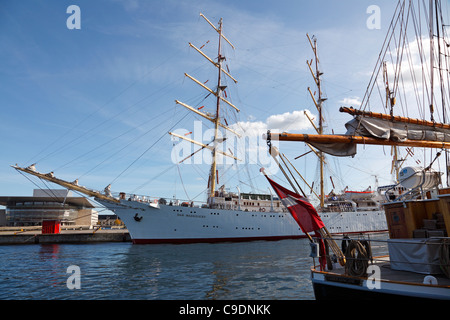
<point x="98" y="110"/>
<point x="148" y="149"/>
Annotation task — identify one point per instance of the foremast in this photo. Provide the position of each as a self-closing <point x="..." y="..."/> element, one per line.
<point x="415" y="132"/>
<point x="213" y="175"/>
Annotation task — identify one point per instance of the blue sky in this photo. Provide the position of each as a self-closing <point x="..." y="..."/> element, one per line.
<point x="74" y="100"/>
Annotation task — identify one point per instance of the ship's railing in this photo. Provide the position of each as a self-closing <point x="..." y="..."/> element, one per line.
<point x="362" y="251"/>
<point x="348" y="207"/>
<point x="249" y="208"/>
<point x="234" y="204"/>
<point x="159" y="200"/>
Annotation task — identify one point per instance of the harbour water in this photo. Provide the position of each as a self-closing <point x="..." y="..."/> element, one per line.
<point x="259" y="270"/>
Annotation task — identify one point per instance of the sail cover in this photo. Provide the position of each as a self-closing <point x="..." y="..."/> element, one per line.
<point x="383" y="129"/>
<point x="395" y="131"/>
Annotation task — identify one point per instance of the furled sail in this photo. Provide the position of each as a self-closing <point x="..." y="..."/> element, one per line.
<point x="383" y="126"/>
<point x="375" y="129"/>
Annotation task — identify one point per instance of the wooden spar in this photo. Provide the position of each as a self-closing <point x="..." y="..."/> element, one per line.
<point x="324" y="138"/>
<point x="219" y="31"/>
<point x="203" y="145"/>
<point x="325" y="234"/>
<point x="193" y="153"/>
<point x="213" y="92"/>
<point x="310" y="120"/>
<point x="66" y="184"/>
<point x="214" y="63"/>
<point x="310" y="187"/>
<point x="315" y="152"/>
<point x="282" y="159"/>
<point x="273" y="151"/>
<point x="384" y="116"/>
<point x="206" y="117"/>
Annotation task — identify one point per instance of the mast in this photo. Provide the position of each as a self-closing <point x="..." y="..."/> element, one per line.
<point x="213" y="173"/>
<point x="390" y="102"/>
<point x="215" y="119"/>
<point x="316" y="75"/>
<point x="431" y="18"/>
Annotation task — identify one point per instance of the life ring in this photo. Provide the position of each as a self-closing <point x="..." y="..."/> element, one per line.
<point x="430" y="280"/>
<point x="262" y="209"/>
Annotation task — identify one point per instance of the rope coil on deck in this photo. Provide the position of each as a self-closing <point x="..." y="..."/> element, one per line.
<point x="357" y="259"/>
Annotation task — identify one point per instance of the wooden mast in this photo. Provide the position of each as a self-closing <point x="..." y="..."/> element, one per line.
<point x="213" y="118"/>
<point x="316" y="75"/>
<point x="213" y="173"/>
<point x="431" y="35"/>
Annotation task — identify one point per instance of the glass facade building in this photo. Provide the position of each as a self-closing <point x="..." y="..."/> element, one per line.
<point x="31" y="211"/>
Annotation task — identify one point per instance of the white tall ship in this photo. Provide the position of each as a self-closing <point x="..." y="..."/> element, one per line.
<point x="225" y="216"/>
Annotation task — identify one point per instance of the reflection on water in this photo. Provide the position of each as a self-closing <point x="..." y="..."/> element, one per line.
<point x="252" y="270"/>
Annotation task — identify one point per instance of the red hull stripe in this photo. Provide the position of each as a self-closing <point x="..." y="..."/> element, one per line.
<point x="216" y="240"/>
<point x="212" y="240"/>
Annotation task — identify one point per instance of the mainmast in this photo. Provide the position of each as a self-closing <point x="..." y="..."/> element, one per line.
<point x="219" y="99"/>
<point x="220" y="88"/>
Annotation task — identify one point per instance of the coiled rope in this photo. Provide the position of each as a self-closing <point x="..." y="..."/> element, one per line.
<point x="357" y="259"/>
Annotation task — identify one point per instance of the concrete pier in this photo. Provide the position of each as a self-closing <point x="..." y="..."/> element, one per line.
<point x="24" y="235"/>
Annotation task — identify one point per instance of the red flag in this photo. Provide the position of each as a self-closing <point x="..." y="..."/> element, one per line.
<point x="302" y="211"/>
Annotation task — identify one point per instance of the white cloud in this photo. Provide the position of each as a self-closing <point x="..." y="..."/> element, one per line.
<point x="288" y="121"/>
<point x="294" y="121"/>
<point x="351" y="101"/>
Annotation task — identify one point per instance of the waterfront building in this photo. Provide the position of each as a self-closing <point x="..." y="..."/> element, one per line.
<point x="51" y="204"/>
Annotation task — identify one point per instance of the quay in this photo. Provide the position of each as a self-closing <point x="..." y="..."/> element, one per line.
<point x="33" y="235"/>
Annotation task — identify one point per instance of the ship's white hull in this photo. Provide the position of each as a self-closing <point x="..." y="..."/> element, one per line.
<point x="157" y="223"/>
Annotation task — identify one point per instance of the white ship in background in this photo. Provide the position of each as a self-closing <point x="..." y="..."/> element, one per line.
<point x="225" y="216"/>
